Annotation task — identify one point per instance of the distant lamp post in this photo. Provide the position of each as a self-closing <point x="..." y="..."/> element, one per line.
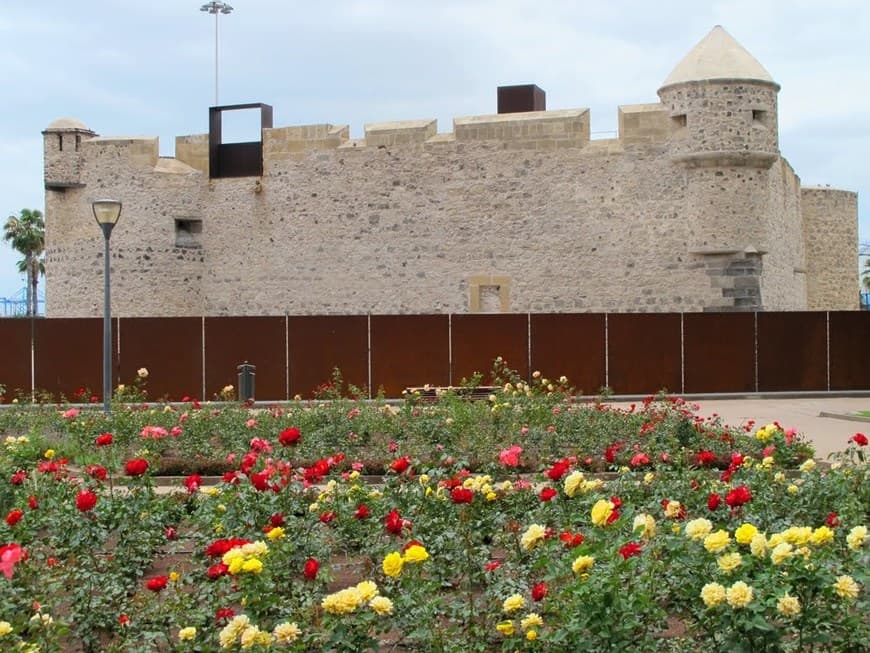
<point x="216" y="8"/>
<point x="107" y="213"/>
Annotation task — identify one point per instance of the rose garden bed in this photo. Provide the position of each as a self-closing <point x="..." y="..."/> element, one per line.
<point x="528" y="521"/>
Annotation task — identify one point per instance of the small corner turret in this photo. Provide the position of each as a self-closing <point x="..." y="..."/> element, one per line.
<point x="723" y="106"/>
<point x="63" y="162"/>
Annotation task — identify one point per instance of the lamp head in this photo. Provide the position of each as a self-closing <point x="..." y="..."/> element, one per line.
<point x="106" y="211"/>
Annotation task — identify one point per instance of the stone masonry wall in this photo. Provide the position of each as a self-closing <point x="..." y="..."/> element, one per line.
<point x="831" y="235"/>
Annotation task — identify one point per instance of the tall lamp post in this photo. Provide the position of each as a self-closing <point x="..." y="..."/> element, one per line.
<point x="216" y="8"/>
<point x="107" y="213"/>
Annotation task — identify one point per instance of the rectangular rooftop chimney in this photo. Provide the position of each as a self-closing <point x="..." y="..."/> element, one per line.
<point x="517" y="99"/>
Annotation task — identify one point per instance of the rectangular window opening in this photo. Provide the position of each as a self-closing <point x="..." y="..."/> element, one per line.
<point x="759" y="117"/>
<point x="188" y="232"/>
<point x="679" y="120"/>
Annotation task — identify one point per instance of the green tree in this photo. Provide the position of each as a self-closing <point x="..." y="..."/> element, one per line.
<point x="26" y="233"/>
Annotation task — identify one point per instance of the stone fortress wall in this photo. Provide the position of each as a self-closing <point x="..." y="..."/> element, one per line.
<point x="691" y="208"/>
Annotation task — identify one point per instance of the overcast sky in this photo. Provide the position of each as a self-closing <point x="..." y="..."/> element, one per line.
<point x="127" y="67"/>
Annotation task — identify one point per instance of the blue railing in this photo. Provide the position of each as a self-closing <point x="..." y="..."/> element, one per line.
<point x="865" y="301"/>
<point x="16" y="306"/>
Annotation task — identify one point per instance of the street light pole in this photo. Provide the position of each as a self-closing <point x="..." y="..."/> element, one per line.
<point x="216" y="8"/>
<point x="107" y="213"/>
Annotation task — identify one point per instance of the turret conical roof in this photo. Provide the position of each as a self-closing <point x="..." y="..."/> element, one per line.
<point x="718" y="56"/>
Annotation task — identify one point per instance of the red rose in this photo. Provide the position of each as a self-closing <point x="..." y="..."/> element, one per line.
<point x="14" y="516"/>
<point x="260" y="480"/>
<point x="611" y="451"/>
<point x="713" y="501"/>
<point x="289" y="437"/>
<point x="539" y="591"/>
<point x="32" y="502"/>
<point x="492" y="566"/>
<point x="277" y="519"/>
<point x="639" y="460"/>
<point x="616" y="501"/>
<point x="171" y="533"/>
<point x="311" y="568"/>
<point x="18" y="477"/>
<point x="157" y="583"/>
<point x="223" y="615"/>
<point x="217" y="548"/>
<point x="461" y="495"/>
<point x="738" y="496"/>
<point x="630" y="549"/>
<point x="571" y="540"/>
<point x="395" y="523"/>
<point x="97" y="472"/>
<point x="558" y="470"/>
<point x="362" y="512"/>
<point x="401" y="465"/>
<point x="216" y="571"/>
<point x="104" y="439"/>
<point x="136" y="467"/>
<point x="833" y="520"/>
<point x="547" y="493"/>
<point x="192" y="483"/>
<point x="326" y="517"/>
<point x="706" y="458"/>
<point x="86" y="500"/>
<point x="860" y="439"/>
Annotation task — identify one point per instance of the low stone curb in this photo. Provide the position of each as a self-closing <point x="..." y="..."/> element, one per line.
<point x="845" y="416"/>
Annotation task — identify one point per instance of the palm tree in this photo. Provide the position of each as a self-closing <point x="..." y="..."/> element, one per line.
<point x="26" y="234"/>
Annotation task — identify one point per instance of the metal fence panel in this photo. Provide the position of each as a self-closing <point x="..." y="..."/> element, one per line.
<point x="170" y="348"/>
<point x="409" y="350"/>
<point x="792" y="351"/>
<point x="258" y="340"/>
<point x="644" y="352"/>
<point x="719" y="352"/>
<point x="477" y="339"/>
<point x="69" y="356"/>
<point x="572" y="344"/>
<point x="15" y="368"/>
<point x="850" y="350"/>
<point x="321" y="343"/>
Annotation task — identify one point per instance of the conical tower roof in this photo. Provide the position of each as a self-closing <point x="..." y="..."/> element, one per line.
<point x="718" y="56"/>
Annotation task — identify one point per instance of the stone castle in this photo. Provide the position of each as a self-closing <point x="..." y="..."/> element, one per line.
<point x="691" y="208"/>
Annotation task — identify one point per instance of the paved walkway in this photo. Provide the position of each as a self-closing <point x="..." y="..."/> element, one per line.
<point x="822" y="420"/>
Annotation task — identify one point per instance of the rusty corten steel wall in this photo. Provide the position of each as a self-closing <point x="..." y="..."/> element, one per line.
<point x="261" y="341"/>
<point x="719" y="352"/>
<point x="572" y="344"/>
<point x="319" y="343"/>
<point x="409" y="350"/>
<point x="792" y="351"/>
<point x="69" y="355"/>
<point x="478" y="339"/>
<point x="15" y="366"/>
<point x="644" y="353"/>
<point x="850" y="350"/>
<point x="170" y="348"/>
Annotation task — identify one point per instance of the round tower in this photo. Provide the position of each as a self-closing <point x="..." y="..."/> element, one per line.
<point x="742" y="218"/>
<point x="723" y="105"/>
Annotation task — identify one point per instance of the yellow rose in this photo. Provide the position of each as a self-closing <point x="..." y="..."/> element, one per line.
<point x="729" y="562"/>
<point x="276" y="533"/>
<point x="416" y="553"/>
<point x="767" y="462"/>
<point x="582" y="564"/>
<point x="532" y="620"/>
<point x="847" y="588"/>
<point x="513" y="603"/>
<point x="5" y="628"/>
<point x="646" y="524"/>
<point x="381" y="605"/>
<point x="252" y="566"/>
<point x="534" y="534"/>
<point x="788" y="606"/>
<point x="367" y="590"/>
<point x="532" y="635"/>
<point x="758" y="546"/>
<point x="822" y="535"/>
<point x="808" y="465"/>
<point x="792" y="489"/>
<point x="745" y="533"/>
<point x="739" y="595"/>
<point x="718" y="541"/>
<point x="392" y="564"/>
<point x="698" y="529"/>
<point x="174" y="576"/>
<point x="187" y="634"/>
<point x="49" y="454"/>
<point x="712" y="594"/>
<point x="506" y="628"/>
<point x="573" y="483"/>
<point x="286" y="633"/>
<point x="673" y="509"/>
<point x="601" y="512"/>
<point x="856" y="537"/>
<point x="781" y="552"/>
